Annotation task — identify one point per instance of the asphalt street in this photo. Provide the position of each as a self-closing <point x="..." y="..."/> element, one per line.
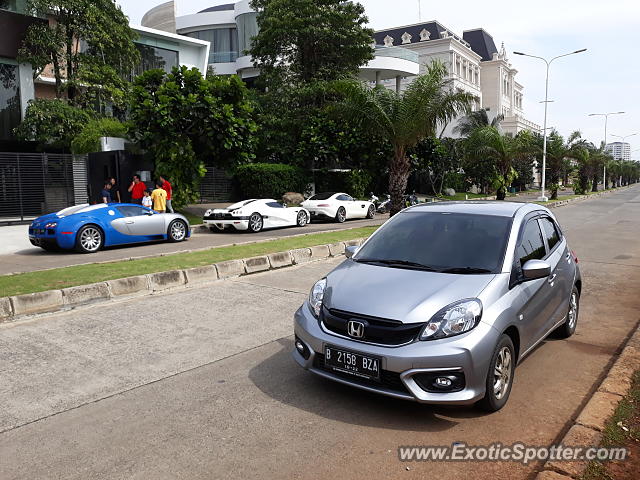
<point x="18" y="255"/>
<point x="199" y="383"/>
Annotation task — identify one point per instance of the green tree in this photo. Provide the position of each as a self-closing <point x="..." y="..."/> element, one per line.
<point x="300" y="41"/>
<point x="185" y="121"/>
<point x="52" y="122"/>
<point x="434" y="159"/>
<point x="475" y="120"/>
<point x="89" y="45"/>
<point x="405" y="119"/>
<point x="88" y="140"/>
<point x="502" y="150"/>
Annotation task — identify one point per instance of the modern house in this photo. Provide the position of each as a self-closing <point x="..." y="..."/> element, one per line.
<point x="230" y="27"/>
<point x="474" y="64"/>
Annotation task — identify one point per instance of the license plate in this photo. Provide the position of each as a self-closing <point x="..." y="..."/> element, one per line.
<point x="356" y="364"/>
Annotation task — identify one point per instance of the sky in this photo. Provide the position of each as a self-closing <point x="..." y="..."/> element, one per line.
<point x="606" y="78"/>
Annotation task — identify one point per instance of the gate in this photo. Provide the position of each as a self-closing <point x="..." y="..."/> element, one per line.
<point x="32" y="184"/>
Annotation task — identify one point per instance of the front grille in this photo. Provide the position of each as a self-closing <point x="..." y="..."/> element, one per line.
<point x="388" y="380"/>
<point x="376" y="330"/>
<point x="219" y="216"/>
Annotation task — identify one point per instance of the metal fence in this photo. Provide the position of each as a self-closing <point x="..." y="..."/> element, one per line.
<point x="216" y="186"/>
<point x="32" y="184"/>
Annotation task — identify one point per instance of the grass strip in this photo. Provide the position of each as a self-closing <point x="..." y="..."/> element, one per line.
<point x="32" y="282"/>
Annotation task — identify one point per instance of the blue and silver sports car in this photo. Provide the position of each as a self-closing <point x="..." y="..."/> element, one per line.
<point x="88" y="228"/>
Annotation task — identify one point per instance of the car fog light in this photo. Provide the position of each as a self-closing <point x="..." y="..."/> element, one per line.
<point x="443" y="382"/>
<point x="302" y="348"/>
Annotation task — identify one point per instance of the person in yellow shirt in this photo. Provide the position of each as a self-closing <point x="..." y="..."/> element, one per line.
<point x="159" y="198"/>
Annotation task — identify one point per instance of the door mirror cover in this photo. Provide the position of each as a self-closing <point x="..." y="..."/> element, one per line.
<point x="351" y="250"/>
<point x="535" y="269"/>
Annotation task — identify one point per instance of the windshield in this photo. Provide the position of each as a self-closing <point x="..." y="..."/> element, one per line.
<point x="444" y="242"/>
<point x="323" y="196"/>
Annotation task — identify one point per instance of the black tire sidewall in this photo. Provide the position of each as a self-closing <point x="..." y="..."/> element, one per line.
<point x="490" y="402"/>
<point x="564" y="330"/>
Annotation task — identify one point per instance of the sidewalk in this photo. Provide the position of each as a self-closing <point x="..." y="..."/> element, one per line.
<point x="14" y="238"/>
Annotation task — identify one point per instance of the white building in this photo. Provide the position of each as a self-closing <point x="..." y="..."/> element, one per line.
<point x="475" y="65"/>
<point x="619" y="150"/>
<point x="229" y="29"/>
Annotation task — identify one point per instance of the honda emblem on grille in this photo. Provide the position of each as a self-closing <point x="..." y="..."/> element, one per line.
<point x="355" y="329"/>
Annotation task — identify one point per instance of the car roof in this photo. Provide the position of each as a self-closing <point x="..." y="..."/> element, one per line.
<point x="502" y="209"/>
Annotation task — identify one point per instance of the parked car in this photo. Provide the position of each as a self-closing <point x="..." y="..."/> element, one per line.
<point x="255" y="215"/>
<point x="338" y="206"/>
<point x="442" y="302"/>
<point x="88" y="228"/>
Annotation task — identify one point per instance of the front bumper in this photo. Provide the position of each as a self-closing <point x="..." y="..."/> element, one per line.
<point x="468" y="354"/>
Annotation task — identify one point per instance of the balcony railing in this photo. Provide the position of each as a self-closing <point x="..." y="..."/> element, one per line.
<point x="223" y="57"/>
<point x="396" y="52"/>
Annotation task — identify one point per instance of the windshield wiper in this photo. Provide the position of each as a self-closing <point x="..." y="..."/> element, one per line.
<point x="465" y="270"/>
<point x="398" y="263"/>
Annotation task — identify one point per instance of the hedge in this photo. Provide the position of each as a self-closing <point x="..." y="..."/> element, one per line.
<point x="270" y="180"/>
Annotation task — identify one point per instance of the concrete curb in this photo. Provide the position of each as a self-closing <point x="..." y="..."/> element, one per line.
<point x="22" y="306"/>
<point x="587" y="428"/>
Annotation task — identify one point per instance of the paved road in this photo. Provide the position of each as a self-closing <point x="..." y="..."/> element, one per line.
<point x="199" y="383"/>
<point x="18" y="255"/>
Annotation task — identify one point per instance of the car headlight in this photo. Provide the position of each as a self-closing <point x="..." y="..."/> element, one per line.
<point x="237" y="212"/>
<point x="316" y="295"/>
<point x="454" y="319"/>
<point x="207" y="213"/>
<point x="51" y="225"/>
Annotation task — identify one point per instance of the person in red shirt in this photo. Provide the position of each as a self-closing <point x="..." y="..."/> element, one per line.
<point x="137" y="189"/>
<point x="166" y="186"/>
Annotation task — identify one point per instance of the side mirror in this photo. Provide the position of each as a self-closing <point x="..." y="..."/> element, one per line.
<point x="149" y="212"/>
<point x="351" y="250"/>
<point x="535" y="269"/>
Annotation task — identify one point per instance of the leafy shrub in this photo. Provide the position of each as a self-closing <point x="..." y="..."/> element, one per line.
<point x="356" y="182"/>
<point x="269" y="180"/>
<point x="457" y="181"/>
<point x="359" y="181"/>
<point x="52" y="122"/>
<point x="88" y="140"/>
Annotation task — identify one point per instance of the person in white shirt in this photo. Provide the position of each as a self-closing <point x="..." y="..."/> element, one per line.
<point x="146" y="200"/>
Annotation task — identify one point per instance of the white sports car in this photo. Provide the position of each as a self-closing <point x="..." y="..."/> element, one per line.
<point x="254" y="215"/>
<point x="338" y="206"/>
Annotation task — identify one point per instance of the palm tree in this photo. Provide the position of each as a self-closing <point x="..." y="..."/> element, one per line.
<point x="475" y="120"/>
<point x="559" y="154"/>
<point x="502" y="150"/>
<point x="404" y="119"/>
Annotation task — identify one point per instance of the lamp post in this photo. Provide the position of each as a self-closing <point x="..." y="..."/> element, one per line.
<point x="606" y="119"/>
<point x="543" y="197"/>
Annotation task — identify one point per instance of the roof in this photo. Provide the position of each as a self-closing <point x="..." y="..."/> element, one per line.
<point x="433" y="27"/>
<point x="481" y="42"/>
<point x="219" y="8"/>
<point x="502" y="209"/>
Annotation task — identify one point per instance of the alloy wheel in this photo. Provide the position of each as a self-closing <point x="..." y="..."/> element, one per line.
<point x="178" y="231"/>
<point x="502" y="373"/>
<point x="90" y="239"/>
<point x="255" y="222"/>
<point x="573" y="310"/>
<point x="342" y="215"/>
<point x="302" y="219"/>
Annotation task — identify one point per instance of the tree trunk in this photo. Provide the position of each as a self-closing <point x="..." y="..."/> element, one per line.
<point x="501" y="193"/>
<point x="398" y="177"/>
<point x="594" y="187"/>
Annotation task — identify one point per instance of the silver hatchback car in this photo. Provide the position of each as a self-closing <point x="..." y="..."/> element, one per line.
<point x="442" y="302"/>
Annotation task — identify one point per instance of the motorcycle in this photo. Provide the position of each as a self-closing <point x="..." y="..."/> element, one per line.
<point x="385" y="205"/>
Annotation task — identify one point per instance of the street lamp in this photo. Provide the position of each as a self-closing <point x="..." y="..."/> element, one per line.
<point x="606" y="119"/>
<point x="543" y="197"/>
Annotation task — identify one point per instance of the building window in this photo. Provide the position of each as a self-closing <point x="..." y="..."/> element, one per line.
<point x="11" y="5"/>
<point x="10" y="112"/>
<point x="224" y="43"/>
<point x="156" y="57"/>
<point x="247" y="29"/>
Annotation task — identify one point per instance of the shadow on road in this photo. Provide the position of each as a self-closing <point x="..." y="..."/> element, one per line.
<point x="282" y="379"/>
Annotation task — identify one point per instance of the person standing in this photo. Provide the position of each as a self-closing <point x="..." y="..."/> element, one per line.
<point x="115" y="191"/>
<point x="159" y="198"/>
<point x="166" y="186"/>
<point x="146" y="200"/>
<point x="137" y="189"/>
<point x="105" y="194"/>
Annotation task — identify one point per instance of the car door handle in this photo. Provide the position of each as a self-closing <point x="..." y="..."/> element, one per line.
<point x="567" y="256"/>
<point x="552" y="279"/>
<point x="129" y="221"/>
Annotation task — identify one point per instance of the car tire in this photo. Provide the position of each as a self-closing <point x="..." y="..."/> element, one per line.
<point x="568" y="328"/>
<point x="255" y="222"/>
<point x="341" y="215"/>
<point x="371" y="212"/>
<point x="177" y="231"/>
<point x="89" y="239"/>
<point x="302" y="219"/>
<point x="500" y="376"/>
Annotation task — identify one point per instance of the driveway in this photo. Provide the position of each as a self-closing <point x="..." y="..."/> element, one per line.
<point x="199" y="383"/>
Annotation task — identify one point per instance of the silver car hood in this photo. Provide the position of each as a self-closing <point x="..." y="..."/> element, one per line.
<point x="410" y="296"/>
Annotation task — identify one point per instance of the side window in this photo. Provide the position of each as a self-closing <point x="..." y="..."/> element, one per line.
<point x="131" y="211"/>
<point x="550" y="232"/>
<point x="531" y="246"/>
<point x="275" y="205"/>
<point x="343" y="198"/>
